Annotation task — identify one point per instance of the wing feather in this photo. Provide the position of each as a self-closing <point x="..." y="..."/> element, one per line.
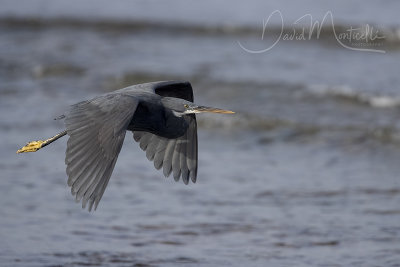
<point x="96" y="130"/>
<point x="177" y="156"/>
<point x="169" y="151"/>
<point x="159" y="155"/>
<point x="152" y="147"/>
<point x="183" y="161"/>
<point x="176" y="164"/>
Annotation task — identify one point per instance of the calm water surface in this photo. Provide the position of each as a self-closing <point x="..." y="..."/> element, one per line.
<point x="305" y="174"/>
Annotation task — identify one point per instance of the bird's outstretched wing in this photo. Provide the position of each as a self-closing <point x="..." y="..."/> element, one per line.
<point x="178" y="156"/>
<point x="97" y="130"/>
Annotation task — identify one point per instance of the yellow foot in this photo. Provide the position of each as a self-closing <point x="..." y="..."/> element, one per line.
<point x="31" y="147"/>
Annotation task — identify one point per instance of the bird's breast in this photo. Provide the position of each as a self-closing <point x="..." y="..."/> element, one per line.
<point x="156" y="119"/>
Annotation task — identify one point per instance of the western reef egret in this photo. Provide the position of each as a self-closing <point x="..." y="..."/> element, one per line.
<point x="161" y="116"/>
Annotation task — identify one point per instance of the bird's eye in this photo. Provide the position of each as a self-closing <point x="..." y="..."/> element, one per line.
<point x="186" y="105"/>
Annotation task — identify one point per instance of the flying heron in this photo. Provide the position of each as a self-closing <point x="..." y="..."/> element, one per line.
<point x="161" y="116"/>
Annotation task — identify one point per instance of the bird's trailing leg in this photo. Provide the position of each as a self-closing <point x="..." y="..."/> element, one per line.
<point x="36" y="145"/>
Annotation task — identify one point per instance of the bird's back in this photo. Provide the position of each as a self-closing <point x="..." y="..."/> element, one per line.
<point x="177" y="89"/>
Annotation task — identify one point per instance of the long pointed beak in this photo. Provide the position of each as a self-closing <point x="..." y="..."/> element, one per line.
<point x="201" y="109"/>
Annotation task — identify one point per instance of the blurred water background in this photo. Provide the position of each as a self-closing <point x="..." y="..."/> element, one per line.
<point x="305" y="174"/>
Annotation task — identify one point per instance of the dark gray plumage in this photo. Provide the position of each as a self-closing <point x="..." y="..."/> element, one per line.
<point x="161" y="116"/>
